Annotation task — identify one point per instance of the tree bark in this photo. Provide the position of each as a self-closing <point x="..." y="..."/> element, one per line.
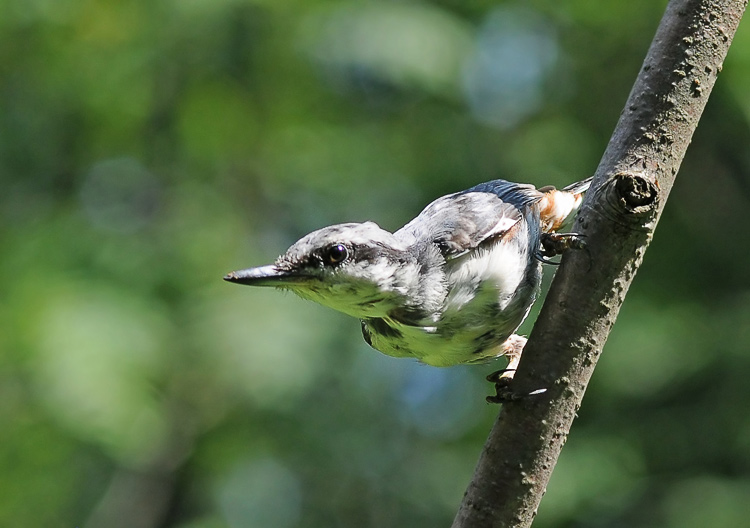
<point x="617" y="217"/>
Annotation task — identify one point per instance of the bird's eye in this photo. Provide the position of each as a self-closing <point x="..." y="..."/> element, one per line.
<point x="336" y="254"/>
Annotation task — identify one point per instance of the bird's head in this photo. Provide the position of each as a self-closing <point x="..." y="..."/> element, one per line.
<point x="358" y="269"/>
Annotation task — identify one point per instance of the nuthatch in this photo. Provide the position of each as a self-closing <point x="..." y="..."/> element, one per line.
<point x="451" y="286"/>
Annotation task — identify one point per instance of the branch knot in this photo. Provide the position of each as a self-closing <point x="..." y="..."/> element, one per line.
<point x="637" y="193"/>
<point x="630" y="199"/>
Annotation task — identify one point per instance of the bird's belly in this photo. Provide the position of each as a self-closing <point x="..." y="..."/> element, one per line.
<point x="433" y="348"/>
<point x="489" y="295"/>
<point x="473" y="334"/>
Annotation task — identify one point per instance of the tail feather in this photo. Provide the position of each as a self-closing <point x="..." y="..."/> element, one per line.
<point x="579" y="187"/>
<point x="557" y="207"/>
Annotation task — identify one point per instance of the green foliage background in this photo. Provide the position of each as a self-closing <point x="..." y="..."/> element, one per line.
<point x="148" y="147"/>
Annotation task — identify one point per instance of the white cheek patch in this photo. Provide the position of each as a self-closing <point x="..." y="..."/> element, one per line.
<point x="378" y="272"/>
<point x="382" y="276"/>
<point x="363" y="289"/>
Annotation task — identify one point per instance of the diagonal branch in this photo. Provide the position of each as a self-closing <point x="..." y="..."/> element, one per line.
<point x="618" y="217"/>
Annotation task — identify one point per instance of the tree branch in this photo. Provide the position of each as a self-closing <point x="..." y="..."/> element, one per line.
<point x="618" y="218"/>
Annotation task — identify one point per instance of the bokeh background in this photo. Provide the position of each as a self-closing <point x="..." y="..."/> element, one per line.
<point x="149" y="147"/>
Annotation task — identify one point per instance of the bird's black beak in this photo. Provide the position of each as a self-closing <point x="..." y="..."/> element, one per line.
<point x="263" y="276"/>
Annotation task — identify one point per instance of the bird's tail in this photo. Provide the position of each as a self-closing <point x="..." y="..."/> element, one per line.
<point x="558" y="207"/>
<point x="579" y="187"/>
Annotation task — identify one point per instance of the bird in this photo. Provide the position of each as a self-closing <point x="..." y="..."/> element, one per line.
<point x="451" y="286"/>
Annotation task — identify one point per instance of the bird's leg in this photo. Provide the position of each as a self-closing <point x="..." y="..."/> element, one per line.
<point x="502" y="379"/>
<point x="511" y="348"/>
<point x="556" y="243"/>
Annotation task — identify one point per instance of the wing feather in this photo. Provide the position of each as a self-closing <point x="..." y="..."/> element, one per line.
<point x="460" y="222"/>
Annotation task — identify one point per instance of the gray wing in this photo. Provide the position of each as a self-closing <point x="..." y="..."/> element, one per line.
<point x="519" y="194"/>
<point x="460" y="222"/>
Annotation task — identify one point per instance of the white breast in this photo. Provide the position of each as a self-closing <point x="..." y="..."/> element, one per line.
<point x="498" y="269"/>
<point x="489" y="296"/>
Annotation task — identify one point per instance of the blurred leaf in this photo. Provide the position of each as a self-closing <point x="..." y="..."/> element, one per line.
<point x="98" y="356"/>
<point x="147" y="148"/>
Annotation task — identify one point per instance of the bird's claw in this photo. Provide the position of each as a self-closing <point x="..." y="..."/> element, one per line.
<point x="554" y="244"/>
<point x="545" y="260"/>
<point x="501" y="376"/>
<point x="504" y="393"/>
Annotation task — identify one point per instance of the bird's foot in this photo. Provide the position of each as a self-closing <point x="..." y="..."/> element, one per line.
<point x="554" y="244"/>
<point x="501" y="376"/>
<point x="504" y="393"/>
